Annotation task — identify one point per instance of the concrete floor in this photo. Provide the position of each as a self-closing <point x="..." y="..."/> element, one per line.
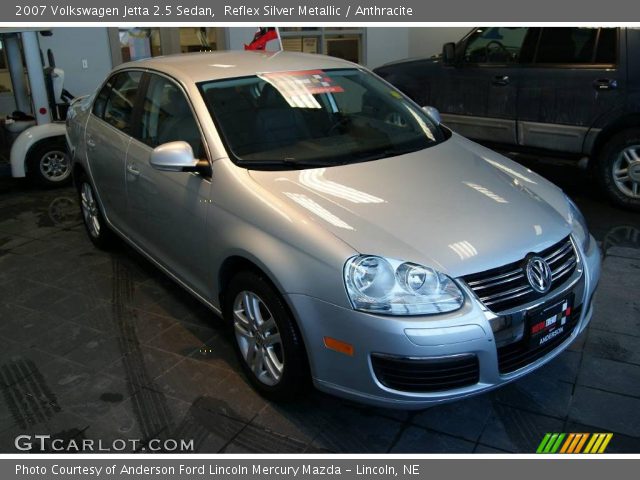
<point x="100" y="345"/>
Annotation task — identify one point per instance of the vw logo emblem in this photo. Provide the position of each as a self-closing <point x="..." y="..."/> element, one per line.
<point x="538" y="274"/>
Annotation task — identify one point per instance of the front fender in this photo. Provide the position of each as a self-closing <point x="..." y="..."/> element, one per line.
<point x="27" y="139"/>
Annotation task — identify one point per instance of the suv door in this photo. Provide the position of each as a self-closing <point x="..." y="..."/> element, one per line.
<point x="107" y="137"/>
<point x="169" y="208"/>
<point x="477" y="96"/>
<point x="576" y="77"/>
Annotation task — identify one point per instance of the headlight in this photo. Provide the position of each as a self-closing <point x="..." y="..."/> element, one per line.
<point x="579" y="226"/>
<point x="383" y="285"/>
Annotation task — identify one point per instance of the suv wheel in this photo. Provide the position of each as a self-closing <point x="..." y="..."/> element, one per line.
<point x="266" y="339"/>
<point x="618" y="169"/>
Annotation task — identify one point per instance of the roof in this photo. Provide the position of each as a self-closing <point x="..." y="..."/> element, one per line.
<point x="198" y="67"/>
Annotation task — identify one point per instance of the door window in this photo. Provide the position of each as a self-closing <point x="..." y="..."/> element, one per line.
<point x="167" y="117"/>
<point x="499" y="45"/>
<point x="115" y="102"/>
<point x="562" y="45"/>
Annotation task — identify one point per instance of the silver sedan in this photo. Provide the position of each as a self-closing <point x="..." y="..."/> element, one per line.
<point x="349" y="240"/>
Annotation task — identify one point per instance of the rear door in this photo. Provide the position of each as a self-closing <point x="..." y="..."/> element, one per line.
<point x="169" y="208"/>
<point x="107" y="139"/>
<point x="576" y="77"/>
<point x="477" y="95"/>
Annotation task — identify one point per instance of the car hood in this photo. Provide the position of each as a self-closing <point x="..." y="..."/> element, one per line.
<point x="456" y="206"/>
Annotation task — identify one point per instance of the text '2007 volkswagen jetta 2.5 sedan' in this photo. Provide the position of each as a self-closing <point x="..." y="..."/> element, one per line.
<point x="344" y="234"/>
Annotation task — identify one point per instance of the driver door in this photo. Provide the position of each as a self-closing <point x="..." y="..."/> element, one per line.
<point x="478" y="96"/>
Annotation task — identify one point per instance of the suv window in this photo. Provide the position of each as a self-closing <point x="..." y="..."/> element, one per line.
<point x="167" y="116"/>
<point x="115" y="102"/>
<point x="498" y="45"/>
<point x="564" y="45"/>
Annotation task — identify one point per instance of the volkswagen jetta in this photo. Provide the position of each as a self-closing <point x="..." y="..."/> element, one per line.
<point x="345" y="235"/>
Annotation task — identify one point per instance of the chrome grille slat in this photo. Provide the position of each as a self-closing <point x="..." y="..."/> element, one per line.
<point x="490" y="279"/>
<point x="506" y="288"/>
<point x="500" y="282"/>
<point x="493" y="298"/>
<point x="566" y="267"/>
<point x="510" y="297"/>
<point x="558" y="253"/>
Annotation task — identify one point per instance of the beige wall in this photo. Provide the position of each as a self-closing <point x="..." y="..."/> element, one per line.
<point x="427" y="41"/>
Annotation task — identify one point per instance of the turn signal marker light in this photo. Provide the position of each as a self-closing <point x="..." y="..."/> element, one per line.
<point x="338" y="346"/>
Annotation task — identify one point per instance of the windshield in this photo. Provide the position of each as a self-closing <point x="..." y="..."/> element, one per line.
<point x="314" y="117"/>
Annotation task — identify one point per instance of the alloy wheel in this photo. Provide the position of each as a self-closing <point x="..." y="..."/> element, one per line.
<point x="54" y="166"/>
<point x="90" y="210"/>
<point x="626" y="171"/>
<point x="258" y="338"/>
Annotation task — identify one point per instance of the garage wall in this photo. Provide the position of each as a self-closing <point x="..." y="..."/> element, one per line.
<point x="427" y="41"/>
<point x="70" y="45"/>
<point x="386" y="44"/>
<point x="382" y="45"/>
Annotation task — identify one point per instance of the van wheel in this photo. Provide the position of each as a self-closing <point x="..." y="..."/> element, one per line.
<point x="618" y="169"/>
<point x="99" y="233"/>
<point x="265" y="338"/>
<point x="49" y="164"/>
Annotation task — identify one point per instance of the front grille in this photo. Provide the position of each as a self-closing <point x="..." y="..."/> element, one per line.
<point x="505" y="288"/>
<point x="517" y="355"/>
<point x="426" y="374"/>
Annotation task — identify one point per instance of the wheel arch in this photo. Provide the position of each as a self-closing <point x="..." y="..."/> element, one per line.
<point x="241" y="262"/>
<point x="628" y="121"/>
<point x="32" y="138"/>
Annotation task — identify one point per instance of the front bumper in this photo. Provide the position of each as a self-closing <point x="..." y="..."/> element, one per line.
<point x="466" y="331"/>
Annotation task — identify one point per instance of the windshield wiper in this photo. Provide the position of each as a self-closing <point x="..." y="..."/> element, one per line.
<point x="288" y="163"/>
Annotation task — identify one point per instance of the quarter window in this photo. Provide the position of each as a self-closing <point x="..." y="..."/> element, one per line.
<point x="562" y="45"/>
<point x="116" y="100"/>
<point x="167" y="117"/>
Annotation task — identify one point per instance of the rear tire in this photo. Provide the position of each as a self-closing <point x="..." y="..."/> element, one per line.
<point x="97" y="229"/>
<point x="618" y="169"/>
<point x="49" y="163"/>
<point x="265" y="337"/>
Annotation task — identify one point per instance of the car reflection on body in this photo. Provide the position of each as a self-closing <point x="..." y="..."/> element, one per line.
<point x="346" y="237"/>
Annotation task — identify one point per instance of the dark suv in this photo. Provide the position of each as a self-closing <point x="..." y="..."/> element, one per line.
<point x="557" y="89"/>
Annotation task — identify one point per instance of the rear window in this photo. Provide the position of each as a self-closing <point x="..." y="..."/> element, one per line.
<point x="115" y="102"/>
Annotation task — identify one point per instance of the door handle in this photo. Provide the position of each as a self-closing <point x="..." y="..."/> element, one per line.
<point x="605" y="84"/>
<point x="131" y="168"/>
<point x="501" y="80"/>
<point x="91" y="142"/>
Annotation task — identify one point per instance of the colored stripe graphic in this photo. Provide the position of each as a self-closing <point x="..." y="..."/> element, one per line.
<point x="581" y="443"/>
<point x="543" y="443"/>
<point x="573" y="443"/>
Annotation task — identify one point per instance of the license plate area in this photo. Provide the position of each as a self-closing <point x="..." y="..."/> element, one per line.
<point x="549" y="322"/>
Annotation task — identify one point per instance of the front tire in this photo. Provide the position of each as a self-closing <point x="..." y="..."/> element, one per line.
<point x="49" y="164"/>
<point x="265" y="337"/>
<point x="618" y="169"/>
<point x="97" y="229"/>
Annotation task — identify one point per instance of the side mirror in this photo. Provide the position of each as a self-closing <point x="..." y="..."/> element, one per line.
<point x="176" y="157"/>
<point x="449" y="53"/>
<point x="433" y="114"/>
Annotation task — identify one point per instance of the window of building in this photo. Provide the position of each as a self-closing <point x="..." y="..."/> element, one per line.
<point x="138" y="43"/>
<point x="199" y="39"/>
<point x="345" y="43"/>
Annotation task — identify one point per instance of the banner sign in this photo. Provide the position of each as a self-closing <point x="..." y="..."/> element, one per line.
<point x="316" y="11"/>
